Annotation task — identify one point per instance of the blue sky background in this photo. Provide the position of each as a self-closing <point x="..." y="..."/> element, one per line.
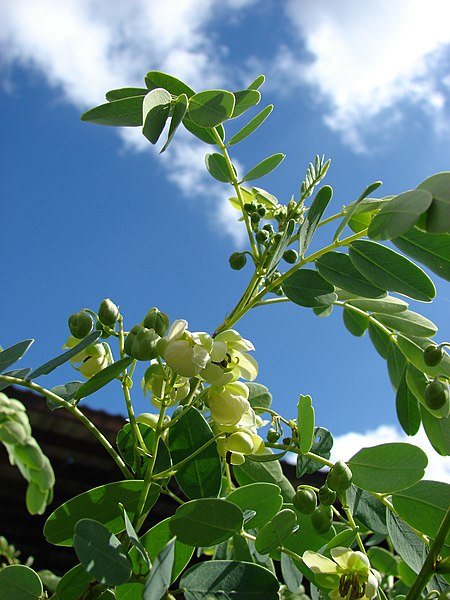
<point x="89" y="212"/>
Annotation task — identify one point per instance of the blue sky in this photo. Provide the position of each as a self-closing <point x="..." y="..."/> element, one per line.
<point x="90" y="212"/>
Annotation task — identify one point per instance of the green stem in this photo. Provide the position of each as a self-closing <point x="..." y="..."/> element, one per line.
<point x="76" y="412"/>
<point x="428" y="567"/>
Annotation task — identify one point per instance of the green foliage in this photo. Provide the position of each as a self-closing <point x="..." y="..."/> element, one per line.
<point x="202" y="446"/>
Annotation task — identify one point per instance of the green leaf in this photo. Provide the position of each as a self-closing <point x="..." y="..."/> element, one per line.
<point x="322" y="444"/>
<point x="306" y="537"/>
<point x="281" y="247"/>
<point x="160" y="576"/>
<point x="438" y="431"/>
<point x="383" y="561"/>
<point x="261" y="497"/>
<point x="102" y="378"/>
<point x="406" y="543"/>
<point x="274" y="533"/>
<point x="156" y="108"/>
<point x="206" y="135"/>
<point x="423" y="506"/>
<point x="206" y="522"/>
<point x="133" y="537"/>
<point x="257" y="83"/>
<point x="201" y="477"/>
<point x="408" y="322"/>
<point x="126" y="112"/>
<point x="391" y="271"/>
<point x="128" y="591"/>
<point x="355" y="322"/>
<point x="73" y="584"/>
<point x="345" y="538"/>
<point x="245" y="99"/>
<point x="211" y="107"/>
<point x="367" y="509"/>
<point x="19" y="582"/>
<point x="305" y="423"/>
<point x="386" y="305"/>
<point x="388" y="467"/>
<point x="307" y="288"/>
<point x="10" y="355"/>
<point x="218" y="168"/>
<point x="229" y="580"/>
<point x="36" y="499"/>
<point x="259" y="396"/>
<point x="413" y="347"/>
<point x="126" y="446"/>
<point x="264" y="167"/>
<point x="158" y="79"/>
<point x="399" y="214"/>
<point x="292" y="576"/>
<point x="438" y="215"/>
<point x="52" y="364"/>
<point x="154" y="540"/>
<point x="339" y="270"/>
<point x="251" y="126"/>
<point x="66" y="391"/>
<point x="19" y="373"/>
<point x="270" y="472"/>
<point x="396" y="365"/>
<point x="101" y="553"/>
<point x="431" y="250"/>
<point x="179" y="111"/>
<point x="100" y="503"/>
<point x="407" y="407"/>
<point x="312" y="218"/>
<point x="126" y="92"/>
<point x="354" y="207"/>
<point x="380" y="339"/>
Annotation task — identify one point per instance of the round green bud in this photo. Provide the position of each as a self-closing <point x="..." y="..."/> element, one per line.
<point x="157" y="320"/>
<point x="277" y="237"/>
<point x="322" y="518"/>
<point x="436" y="394"/>
<point x="249" y="207"/>
<point x="80" y="324"/>
<point x="269" y="228"/>
<point x="290" y="256"/>
<point x="237" y="260"/>
<point x="287" y="441"/>
<point x="432" y="355"/>
<point x="305" y="501"/>
<point x="273" y="436"/>
<point x="149" y="419"/>
<point x="108" y="313"/>
<point x="326" y="496"/>
<point x="261" y="211"/>
<point x="262" y="236"/>
<point x="141" y="342"/>
<point x="340" y="477"/>
<point x="255" y="217"/>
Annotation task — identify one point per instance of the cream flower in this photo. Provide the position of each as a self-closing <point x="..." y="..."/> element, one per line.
<point x="349" y="573"/>
<point x="229" y="404"/>
<point x="89" y="361"/>
<point x="186" y="353"/>
<point x="230" y="359"/>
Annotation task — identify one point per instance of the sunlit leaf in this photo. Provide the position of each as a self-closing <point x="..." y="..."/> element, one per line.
<point x="438" y="215"/>
<point x="271" y="472"/>
<point x="178" y="113"/>
<point x="431" y="250"/>
<point x="156" y="108"/>
<point x="264" y="167"/>
<point x="217" y="167"/>
<point x="102" y="378"/>
<point x="355" y="322"/>
<point x="274" y="533"/>
<point x="126" y="92"/>
<point x="251" y="126"/>
<point x="160" y="577"/>
<point x="126" y="112"/>
<point x="398" y="215"/>
<point x="211" y="107"/>
<point x="339" y="270"/>
<point x="312" y="217"/>
<point x="389" y="270"/>
<point x="262" y="497"/>
<point x="245" y="99"/>
<point x="10" y="355"/>
<point x="157" y="79"/>
<point x="19" y="582"/>
<point x="354" y="206"/>
<point x="407" y="407"/>
<point x="408" y="322"/>
<point x="305" y="423"/>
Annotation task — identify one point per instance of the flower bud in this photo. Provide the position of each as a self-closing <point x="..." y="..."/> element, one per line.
<point x="108" y="313"/>
<point x="157" y="320"/>
<point x="326" y="496"/>
<point x="141" y="343"/>
<point x="322" y="518"/>
<point x="262" y="236"/>
<point x="273" y="436"/>
<point x="149" y="419"/>
<point x="432" y="355"/>
<point x="290" y="256"/>
<point x="80" y="324"/>
<point x="305" y="500"/>
<point x="436" y="394"/>
<point x="240" y="442"/>
<point x="340" y="477"/>
<point x="237" y="260"/>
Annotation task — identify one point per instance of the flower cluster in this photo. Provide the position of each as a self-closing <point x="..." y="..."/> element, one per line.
<point x="91" y="360"/>
<point x="348" y="575"/>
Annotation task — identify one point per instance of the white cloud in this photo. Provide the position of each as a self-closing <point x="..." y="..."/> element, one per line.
<point x="364" y="59"/>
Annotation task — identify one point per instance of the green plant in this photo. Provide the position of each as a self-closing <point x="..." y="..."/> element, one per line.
<point x="236" y="507"/>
